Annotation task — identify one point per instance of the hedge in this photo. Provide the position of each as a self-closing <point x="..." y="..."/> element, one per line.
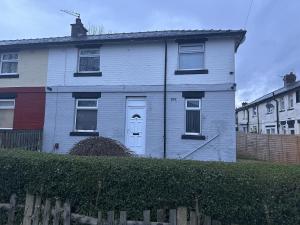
<point x="237" y="192"/>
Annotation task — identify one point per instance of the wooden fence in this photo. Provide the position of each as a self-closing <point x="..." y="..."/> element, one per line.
<point x="23" y="139"/>
<point x="39" y="212"/>
<point x="274" y="148"/>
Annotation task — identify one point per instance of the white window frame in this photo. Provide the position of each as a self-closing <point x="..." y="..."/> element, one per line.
<point x="193" y="109"/>
<point x="88" y="55"/>
<point x="290" y="98"/>
<point x="8" y="60"/>
<point x="189" y="52"/>
<point x="282" y="103"/>
<point x="84" y="108"/>
<point x="7" y="107"/>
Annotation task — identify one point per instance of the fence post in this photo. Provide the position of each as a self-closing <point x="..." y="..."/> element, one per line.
<point x="57" y="211"/>
<point x="172" y="217"/>
<point x="37" y="209"/>
<point x="12" y="209"/>
<point x="181" y="216"/>
<point x="207" y="220"/>
<point x="28" y="209"/>
<point x="123" y="217"/>
<point x="216" y="222"/>
<point x="47" y="212"/>
<point x="110" y="217"/>
<point x="67" y="213"/>
<point x="146" y="215"/>
<point x="193" y="218"/>
<point x="161" y="215"/>
<point x="99" y="220"/>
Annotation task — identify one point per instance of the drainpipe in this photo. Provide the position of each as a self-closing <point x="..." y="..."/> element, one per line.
<point x="248" y="120"/>
<point x="257" y="118"/>
<point x="165" y="100"/>
<point x="277" y="113"/>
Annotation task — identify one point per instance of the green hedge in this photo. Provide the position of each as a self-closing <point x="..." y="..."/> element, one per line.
<point x="238" y="191"/>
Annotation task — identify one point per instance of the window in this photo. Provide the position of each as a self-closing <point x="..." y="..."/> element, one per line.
<point x="244" y="114"/>
<point x="291" y="101"/>
<point x="193" y="114"/>
<point x="281" y="104"/>
<point x="7" y="108"/>
<point x="270" y="108"/>
<point x="270" y="129"/>
<point x="86" y="115"/>
<point x="8" y="63"/>
<point x="89" y="60"/>
<point x="297" y="96"/>
<point x="191" y="56"/>
<point x="254" y="129"/>
<point x="254" y="112"/>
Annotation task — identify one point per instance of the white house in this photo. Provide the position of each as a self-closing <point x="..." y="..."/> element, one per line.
<point x="166" y="94"/>
<point x="277" y="112"/>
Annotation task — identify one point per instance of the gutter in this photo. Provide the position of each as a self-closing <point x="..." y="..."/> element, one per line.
<point x="257" y="118"/>
<point x="165" y="100"/>
<point x="277" y="113"/>
<point x="248" y="119"/>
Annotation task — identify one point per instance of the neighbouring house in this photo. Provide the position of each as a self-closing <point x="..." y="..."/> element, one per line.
<point x="277" y="112"/>
<point x="23" y="72"/>
<point x="166" y="94"/>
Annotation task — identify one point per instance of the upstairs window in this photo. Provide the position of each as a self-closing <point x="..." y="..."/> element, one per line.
<point x="254" y="111"/>
<point x="270" y="108"/>
<point x="7" y="107"/>
<point x="8" y="63"/>
<point x="89" y="60"/>
<point x="291" y="101"/>
<point x="86" y="115"/>
<point x="297" y="96"/>
<point x="281" y="104"/>
<point x="191" y="56"/>
<point x="193" y="114"/>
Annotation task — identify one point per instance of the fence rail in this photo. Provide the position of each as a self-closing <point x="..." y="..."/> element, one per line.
<point x="41" y="212"/>
<point x="274" y="148"/>
<point x="23" y="139"/>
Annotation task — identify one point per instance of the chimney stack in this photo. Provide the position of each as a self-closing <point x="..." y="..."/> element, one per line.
<point x="77" y="29"/>
<point x="289" y="79"/>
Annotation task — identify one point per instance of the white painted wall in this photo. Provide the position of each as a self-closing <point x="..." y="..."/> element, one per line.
<point x="142" y="64"/>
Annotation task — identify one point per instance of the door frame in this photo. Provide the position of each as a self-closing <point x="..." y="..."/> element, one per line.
<point x="144" y="106"/>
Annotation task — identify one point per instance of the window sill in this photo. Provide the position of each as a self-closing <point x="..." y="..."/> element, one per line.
<point x="193" y="137"/>
<point x="4" y="76"/>
<point x="282" y="110"/>
<point x="82" y="133"/>
<point x="88" y="74"/>
<point x="290" y="109"/>
<point x="183" y="72"/>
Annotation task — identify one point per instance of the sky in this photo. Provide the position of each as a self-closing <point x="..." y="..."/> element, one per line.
<point x="271" y="48"/>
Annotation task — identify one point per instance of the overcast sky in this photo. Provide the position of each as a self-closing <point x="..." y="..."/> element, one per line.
<point x="271" y="49"/>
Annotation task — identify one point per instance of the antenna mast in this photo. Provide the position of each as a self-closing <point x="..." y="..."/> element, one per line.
<point x="72" y="13"/>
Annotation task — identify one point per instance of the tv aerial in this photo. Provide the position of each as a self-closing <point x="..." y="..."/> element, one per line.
<point x="72" y="13"/>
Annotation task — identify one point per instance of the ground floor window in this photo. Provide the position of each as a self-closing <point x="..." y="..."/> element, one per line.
<point x="192" y="117"/>
<point x="270" y="129"/>
<point x="86" y="114"/>
<point x="7" y="108"/>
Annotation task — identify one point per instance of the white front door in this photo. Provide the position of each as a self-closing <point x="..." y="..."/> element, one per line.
<point x="135" y="133"/>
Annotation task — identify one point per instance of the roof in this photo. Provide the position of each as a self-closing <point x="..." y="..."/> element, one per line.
<point x="271" y="95"/>
<point x="238" y="35"/>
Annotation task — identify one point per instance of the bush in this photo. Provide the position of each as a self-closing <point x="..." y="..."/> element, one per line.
<point x="100" y="146"/>
<point x="236" y="192"/>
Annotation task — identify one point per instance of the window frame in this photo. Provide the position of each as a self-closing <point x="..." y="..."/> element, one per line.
<point x="89" y="55"/>
<point x="254" y="109"/>
<point x="187" y="45"/>
<point x="84" y="108"/>
<point x="8" y="60"/>
<point x="290" y="98"/>
<point x="8" y="107"/>
<point x="186" y="108"/>
<point x="282" y="103"/>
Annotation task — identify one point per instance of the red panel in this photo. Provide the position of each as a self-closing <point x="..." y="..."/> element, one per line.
<point x="30" y="107"/>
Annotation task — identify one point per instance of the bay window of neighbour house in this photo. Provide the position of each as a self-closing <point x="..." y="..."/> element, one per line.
<point x="281" y="104"/>
<point x="193" y="116"/>
<point x="191" y="56"/>
<point x="290" y="101"/>
<point x="7" y="107"/>
<point x="89" y="60"/>
<point x="8" y="63"/>
<point x="86" y="115"/>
